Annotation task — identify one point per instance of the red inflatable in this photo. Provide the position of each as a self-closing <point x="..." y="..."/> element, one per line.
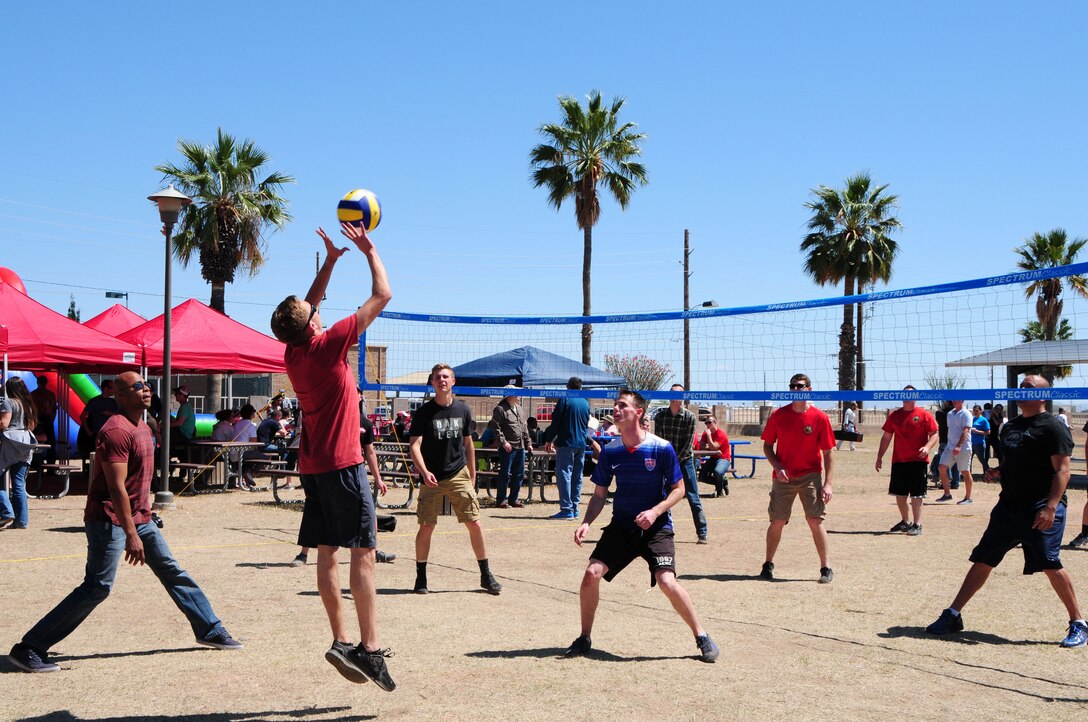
<point x="11" y="278"/>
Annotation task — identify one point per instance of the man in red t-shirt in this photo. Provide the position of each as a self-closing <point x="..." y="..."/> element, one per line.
<point x="915" y="432"/>
<point x="118" y="523"/>
<point x="339" y="508"/>
<point x="715" y="467"/>
<point x="797" y="442"/>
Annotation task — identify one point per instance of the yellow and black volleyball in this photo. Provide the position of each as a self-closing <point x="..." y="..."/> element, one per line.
<point x="360" y="206"/>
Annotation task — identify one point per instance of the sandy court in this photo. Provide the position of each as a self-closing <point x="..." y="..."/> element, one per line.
<point x="854" y="648"/>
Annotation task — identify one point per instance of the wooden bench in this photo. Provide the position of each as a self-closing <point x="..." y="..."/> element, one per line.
<point x="191" y="472"/>
<point x="62" y="470"/>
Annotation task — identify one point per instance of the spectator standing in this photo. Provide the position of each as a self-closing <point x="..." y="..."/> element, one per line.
<point x="942" y="434"/>
<point x="512" y="435"/>
<point x="957" y="450"/>
<point x="1030" y="512"/>
<point x="1081" y="540"/>
<point x="18" y="417"/>
<point x="997" y="420"/>
<point x="94" y="415"/>
<point x="676" y="425"/>
<point x="1063" y="418"/>
<point x="45" y="401"/>
<point x="339" y="507"/>
<point x="445" y="458"/>
<point x="118" y="523"/>
<point x="797" y="442"/>
<point x="914" y="431"/>
<point x="566" y="436"/>
<point x="980" y="431"/>
<point x="849" y="423"/>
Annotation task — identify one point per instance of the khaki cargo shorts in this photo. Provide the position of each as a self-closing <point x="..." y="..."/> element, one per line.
<point x="809" y="487"/>
<point x="458" y="489"/>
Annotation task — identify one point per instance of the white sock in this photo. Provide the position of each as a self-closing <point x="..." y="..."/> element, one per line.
<point x="955" y="612"/>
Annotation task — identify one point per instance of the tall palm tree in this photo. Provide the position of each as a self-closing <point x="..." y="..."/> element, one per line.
<point x="1050" y="251"/>
<point x="590" y="148"/>
<point x="1035" y="331"/>
<point x="849" y="241"/>
<point x="232" y="209"/>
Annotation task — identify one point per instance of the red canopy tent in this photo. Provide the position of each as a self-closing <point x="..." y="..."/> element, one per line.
<point x="205" y="341"/>
<point x="40" y="339"/>
<point x="115" y="320"/>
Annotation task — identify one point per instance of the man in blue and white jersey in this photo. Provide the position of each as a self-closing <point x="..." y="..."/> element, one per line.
<point x="648" y="484"/>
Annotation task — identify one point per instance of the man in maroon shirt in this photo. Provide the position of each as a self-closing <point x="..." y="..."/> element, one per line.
<point x="118" y="521"/>
<point x="339" y="508"/>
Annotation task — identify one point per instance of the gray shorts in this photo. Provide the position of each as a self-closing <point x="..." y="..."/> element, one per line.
<point x="962" y="459"/>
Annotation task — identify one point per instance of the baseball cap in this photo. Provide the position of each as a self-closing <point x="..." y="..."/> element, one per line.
<point x="183" y="389"/>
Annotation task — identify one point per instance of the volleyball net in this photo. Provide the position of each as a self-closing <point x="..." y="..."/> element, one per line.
<point x="966" y="336"/>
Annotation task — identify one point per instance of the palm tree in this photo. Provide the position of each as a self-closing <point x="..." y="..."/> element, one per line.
<point x="1050" y="251"/>
<point x="1035" y="331"/>
<point x="232" y="210"/>
<point x="849" y="241"/>
<point x="590" y="148"/>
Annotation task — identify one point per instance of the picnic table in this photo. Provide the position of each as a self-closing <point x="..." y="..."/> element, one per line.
<point x="223" y="468"/>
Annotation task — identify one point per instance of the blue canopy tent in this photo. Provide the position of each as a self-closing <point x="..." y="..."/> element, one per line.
<point x="531" y="367"/>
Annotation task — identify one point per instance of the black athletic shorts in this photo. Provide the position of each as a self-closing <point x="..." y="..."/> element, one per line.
<point x="339" y="510"/>
<point x="1010" y="525"/>
<point x="909" y="478"/>
<point x="620" y="545"/>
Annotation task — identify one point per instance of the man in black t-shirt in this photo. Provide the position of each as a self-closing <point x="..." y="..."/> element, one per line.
<point x="444" y="457"/>
<point x="1030" y="512"/>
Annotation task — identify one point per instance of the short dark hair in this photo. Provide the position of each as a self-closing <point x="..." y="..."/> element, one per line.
<point x="908" y="387"/>
<point x="800" y="377"/>
<point x="639" y="399"/>
<point x="248" y="411"/>
<point x="574" y="383"/>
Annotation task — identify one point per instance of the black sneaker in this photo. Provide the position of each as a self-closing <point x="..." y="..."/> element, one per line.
<point x="490" y="583"/>
<point x="826" y="575"/>
<point x="29" y="659"/>
<point x="767" y="572"/>
<point x="299" y="561"/>
<point x="372" y="664"/>
<point x="579" y="647"/>
<point x="222" y="640"/>
<point x="945" y="497"/>
<point x="421" y="585"/>
<point x="900" y="527"/>
<point x="384" y="557"/>
<point x="708" y="651"/>
<point x="1079" y="541"/>
<point x="947" y="622"/>
<point x="340" y="656"/>
<point x="915" y="530"/>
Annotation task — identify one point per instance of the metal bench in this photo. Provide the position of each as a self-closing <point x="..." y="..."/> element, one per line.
<point x="61" y="470"/>
<point x="751" y="457"/>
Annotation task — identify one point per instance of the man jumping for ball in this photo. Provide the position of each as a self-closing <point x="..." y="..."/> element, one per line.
<point x="648" y="483"/>
<point x="339" y="509"/>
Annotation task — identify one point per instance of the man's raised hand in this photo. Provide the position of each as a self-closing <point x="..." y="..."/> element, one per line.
<point x="330" y="248"/>
<point x="357" y="235"/>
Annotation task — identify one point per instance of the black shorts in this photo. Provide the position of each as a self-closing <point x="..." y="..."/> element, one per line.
<point x="339" y="510"/>
<point x="620" y="545"/>
<point x="908" y="479"/>
<point x="1010" y="524"/>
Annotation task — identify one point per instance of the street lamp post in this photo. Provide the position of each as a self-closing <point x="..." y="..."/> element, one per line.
<point x="687" y="338"/>
<point x="118" y="294"/>
<point x="170" y="203"/>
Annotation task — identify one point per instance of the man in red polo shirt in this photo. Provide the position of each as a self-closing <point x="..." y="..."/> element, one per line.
<point x="797" y="442"/>
<point x="915" y="432"/>
<point x="339" y="508"/>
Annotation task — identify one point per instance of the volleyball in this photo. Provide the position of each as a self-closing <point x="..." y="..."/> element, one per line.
<point x="360" y="207"/>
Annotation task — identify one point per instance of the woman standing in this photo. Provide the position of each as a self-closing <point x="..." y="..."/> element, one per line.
<point x="849" y="423"/>
<point x="18" y="417"/>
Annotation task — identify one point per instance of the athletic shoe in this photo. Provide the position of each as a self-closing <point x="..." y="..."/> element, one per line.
<point x="299" y="561"/>
<point x="372" y="664"/>
<point x="703" y="540"/>
<point x="579" y="647"/>
<point x="29" y="659"/>
<point x="1078" y="635"/>
<point x="946" y="497"/>
<point x="563" y="515"/>
<point x="1079" y="541"/>
<point x="222" y="640"/>
<point x="900" y="527"/>
<point x="384" y="557"/>
<point x="826" y="575"/>
<point x="915" y="530"/>
<point x="421" y="585"/>
<point x="7" y="522"/>
<point x="708" y="651"/>
<point x="340" y="656"/>
<point x="767" y="572"/>
<point x="490" y="583"/>
<point x="946" y="623"/>
<point x="961" y="502"/>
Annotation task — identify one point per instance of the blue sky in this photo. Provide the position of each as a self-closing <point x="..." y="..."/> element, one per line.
<point x="972" y="112"/>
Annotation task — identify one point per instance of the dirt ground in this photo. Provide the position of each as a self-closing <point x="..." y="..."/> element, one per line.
<point x="855" y="648"/>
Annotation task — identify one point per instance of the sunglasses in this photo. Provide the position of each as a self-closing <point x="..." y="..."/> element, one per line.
<point x="798" y="386"/>
<point x="313" y="310"/>
<point x="138" y="386"/>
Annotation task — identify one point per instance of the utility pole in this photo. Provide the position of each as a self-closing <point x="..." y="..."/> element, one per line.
<point x="687" y="329"/>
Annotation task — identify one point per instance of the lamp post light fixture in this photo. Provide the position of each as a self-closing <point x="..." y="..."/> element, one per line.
<point x="687" y="340"/>
<point x="170" y="202"/>
<point x="118" y="294"/>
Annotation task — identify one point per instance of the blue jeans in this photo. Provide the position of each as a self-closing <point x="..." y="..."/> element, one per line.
<point x="511" y="472"/>
<point x="691" y="490"/>
<point x="105" y="549"/>
<point x="15" y="506"/>
<point x="568" y="476"/>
